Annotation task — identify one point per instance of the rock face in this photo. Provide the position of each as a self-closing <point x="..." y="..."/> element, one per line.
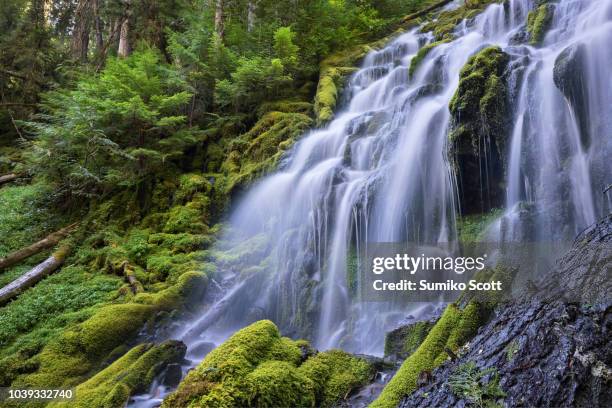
<point x="480" y="113"/>
<point x="546" y="351"/>
<point x="569" y="76"/>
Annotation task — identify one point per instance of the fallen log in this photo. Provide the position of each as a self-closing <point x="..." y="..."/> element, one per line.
<point x="34" y="275"/>
<point x="426" y="10"/>
<point x="50" y="241"/>
<point x="7" y="178"/>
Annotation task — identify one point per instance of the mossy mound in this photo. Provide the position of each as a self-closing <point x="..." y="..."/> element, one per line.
<point x="454" y="328"/>
<point x="70" y="358"/>
<point x="258" y="367"/>
<point x="538" y="22"/>
<point x="334" y="374"/>
<point x="131" y="374"/>
<point x="258" y="151"/>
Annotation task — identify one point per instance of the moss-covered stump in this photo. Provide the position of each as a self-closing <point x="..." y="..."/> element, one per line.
<point x="403" y="341"/>
<point x="129" y="375"/>
<point x="455" y="327"/>
<point x="480" y="112"/>
<point x="256" y="367"/>
<point x="538" y="22"/>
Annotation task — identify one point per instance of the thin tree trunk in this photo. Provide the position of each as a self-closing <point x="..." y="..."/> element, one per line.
<point x="251" y="9"/>
<point x="7" y="178"/>
<point x="98" y="26"/>
<point x="50" y="241"/>
<point x="219" y="19"/>
<point x="79" y="46"/>
<point x="34" y="275"/>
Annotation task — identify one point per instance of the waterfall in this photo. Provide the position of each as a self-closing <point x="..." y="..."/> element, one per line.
<point x="379" y="172"/>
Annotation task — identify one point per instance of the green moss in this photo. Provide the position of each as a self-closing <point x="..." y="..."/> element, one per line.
<point x="454" y="328"/>
<point x="538" y="22"/>
<point x="404" y="341"/>
<point x="443" y="26"/>
<point x="129" y="375"/>
<point x="258" y="151"/>
<point x="479" y="106"/>
<point x="420" y="56"/>
<point x="258" y="367"/>
<point x="80" y="350"/>
<point x="278" y="384"/>
<point x="334" y="373"/>
<point x="471" y="228"/>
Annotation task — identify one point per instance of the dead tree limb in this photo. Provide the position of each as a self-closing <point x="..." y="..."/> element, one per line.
<point x="128" y="271"/>
<point x="425" y="10"/>
<point x="7" y="178"/>
<point x="34" y="275"/>
<point x="50" y="241"/>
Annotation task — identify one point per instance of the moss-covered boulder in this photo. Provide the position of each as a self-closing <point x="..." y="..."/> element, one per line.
<point x="131" y="374"/>
<point x="454" y="328"/>
<point x="256" y="367"/>
<point x="481" y="112"/>
<point x="538" y="22"/>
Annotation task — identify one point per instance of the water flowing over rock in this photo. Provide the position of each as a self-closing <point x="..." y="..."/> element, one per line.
<point x="380" y="171"/>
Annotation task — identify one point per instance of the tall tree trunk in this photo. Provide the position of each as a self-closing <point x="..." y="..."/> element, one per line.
<point x="34" y="275"/>
<point x="124" y="42"/>
<point x="124" y="35"/>
<point x="219" y="19"/>
<point x="48" y="242"/>
<point x="79" y="45"/>
<point x="251" y="9"/>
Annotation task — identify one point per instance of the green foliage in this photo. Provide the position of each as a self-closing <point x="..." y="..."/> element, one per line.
<point x="114" y="128"/>
<point x="284" y="47"/>
<point x="443" y="26"/>
<point x="454" y="328"/>
<point x="469" y="382"/>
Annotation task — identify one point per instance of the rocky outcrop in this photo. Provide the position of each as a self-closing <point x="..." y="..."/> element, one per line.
<point x="551" y="350"/>
<point x="480" y="112"/>
<point x="569" y="76"/>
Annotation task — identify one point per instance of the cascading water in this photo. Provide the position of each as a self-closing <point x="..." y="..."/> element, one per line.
<point x="379" y="173"/>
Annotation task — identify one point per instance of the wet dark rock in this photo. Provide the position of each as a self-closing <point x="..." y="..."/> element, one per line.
<point x="172" y="375"/>
<point x="201" y="348"/>
<point x="547" y="351"/>
<point x="569" y="76"/>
